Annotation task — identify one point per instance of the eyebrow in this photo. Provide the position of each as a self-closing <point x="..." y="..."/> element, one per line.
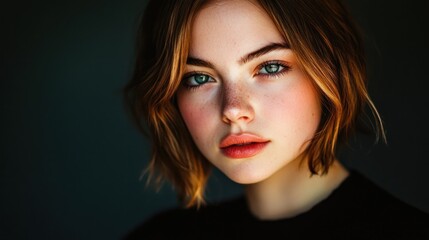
<point x="257" y="53"/>
<point x="262" y="51"/>
<point x="199" y="62"/>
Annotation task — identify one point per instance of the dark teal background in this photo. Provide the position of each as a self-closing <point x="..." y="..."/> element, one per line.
<point x="70" y="159"/>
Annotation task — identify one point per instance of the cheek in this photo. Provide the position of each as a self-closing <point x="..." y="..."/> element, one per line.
<point x="296" y="108"/>
<point x="193" y="117"/>
<point x="307" y="108"/>
<point x="308" y="112"/>
<point x="197" y="115"/>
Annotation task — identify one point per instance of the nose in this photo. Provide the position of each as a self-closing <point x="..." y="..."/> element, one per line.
<point x="236" y="105"/>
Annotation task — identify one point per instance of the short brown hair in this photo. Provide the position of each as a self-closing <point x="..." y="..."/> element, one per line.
<point x="327" y="44"/>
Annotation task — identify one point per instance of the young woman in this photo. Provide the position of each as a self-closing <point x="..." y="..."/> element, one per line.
<point x="266" y="91"/>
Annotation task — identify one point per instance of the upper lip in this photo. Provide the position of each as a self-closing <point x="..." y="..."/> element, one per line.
<point x="245" y="138"/>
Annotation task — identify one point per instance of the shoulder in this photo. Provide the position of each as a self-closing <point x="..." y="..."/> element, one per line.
<point x="190" y="223"/>
<point x="163" y="224"/>
<point x="370" y="195"/>
<point x="369" y="205"/>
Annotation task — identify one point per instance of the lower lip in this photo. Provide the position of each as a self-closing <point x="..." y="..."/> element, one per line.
<point x="244" y="151"/>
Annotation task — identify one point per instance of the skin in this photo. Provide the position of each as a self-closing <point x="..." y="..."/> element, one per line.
<point x="267" y="95"/>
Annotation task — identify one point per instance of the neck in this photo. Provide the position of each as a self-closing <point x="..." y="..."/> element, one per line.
<point x="292" y="191"/>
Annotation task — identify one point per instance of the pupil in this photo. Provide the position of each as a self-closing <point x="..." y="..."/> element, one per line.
<point x="272" y="68"/>
<point x="201" y="78"/>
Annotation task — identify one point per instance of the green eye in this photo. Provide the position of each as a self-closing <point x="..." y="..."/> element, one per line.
<point x="271" y="68"/>
<point x="201" y="79"/>
<point x="196" y="80"/>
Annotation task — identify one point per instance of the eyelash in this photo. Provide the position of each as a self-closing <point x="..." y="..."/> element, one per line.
<point x="285" y="68"/>
<point x="193" y="74"/>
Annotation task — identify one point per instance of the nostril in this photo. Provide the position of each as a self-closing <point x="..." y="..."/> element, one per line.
<point x="237" y="112"/>
<point x="235" y="103"/>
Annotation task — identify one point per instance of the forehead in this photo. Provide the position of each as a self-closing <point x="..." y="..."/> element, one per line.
<point x="236" y="25"/>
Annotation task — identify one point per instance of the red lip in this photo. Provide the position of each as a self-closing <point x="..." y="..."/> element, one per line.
<point x="242" y="146"/>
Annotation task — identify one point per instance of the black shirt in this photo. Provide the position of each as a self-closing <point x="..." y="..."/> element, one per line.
<point x="357" y="209"/>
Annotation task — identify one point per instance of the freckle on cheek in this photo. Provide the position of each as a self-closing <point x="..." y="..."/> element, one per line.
<point x="196" y="116"/>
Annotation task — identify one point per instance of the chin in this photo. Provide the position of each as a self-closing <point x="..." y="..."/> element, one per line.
<point x="247" y="176"/>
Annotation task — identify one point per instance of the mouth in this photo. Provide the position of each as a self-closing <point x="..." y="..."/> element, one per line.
<point x="242" y="146"/>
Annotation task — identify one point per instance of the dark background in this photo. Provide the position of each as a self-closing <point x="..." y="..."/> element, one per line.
<point x="70" y="159"/>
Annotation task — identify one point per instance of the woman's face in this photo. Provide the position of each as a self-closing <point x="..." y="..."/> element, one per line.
<point x="250" y="108"/>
